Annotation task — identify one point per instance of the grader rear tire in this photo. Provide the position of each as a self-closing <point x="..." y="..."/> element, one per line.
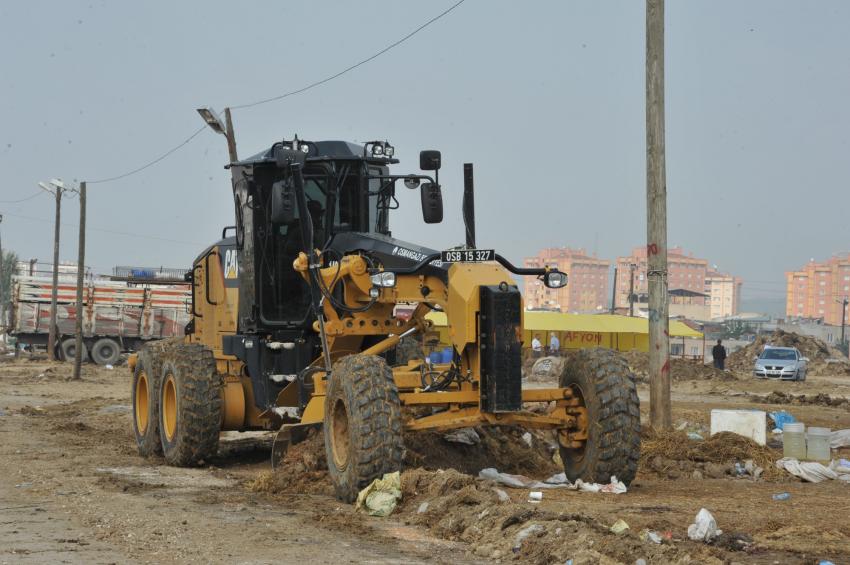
<point x="362" y="425"/>
<point x="601" y="377"/>
<point x="145" y="396"/>
<point x="189" y="405"/>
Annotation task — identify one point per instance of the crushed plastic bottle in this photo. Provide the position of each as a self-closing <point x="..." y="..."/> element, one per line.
<point x="782" y="496"/>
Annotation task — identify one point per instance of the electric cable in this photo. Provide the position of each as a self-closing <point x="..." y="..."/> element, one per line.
<point x="352" y="67"/>
<point x="39" y="193"/>
<point x="151" y="163"/>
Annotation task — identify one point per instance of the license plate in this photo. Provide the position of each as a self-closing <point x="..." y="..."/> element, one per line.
<point x="467" y="255"/>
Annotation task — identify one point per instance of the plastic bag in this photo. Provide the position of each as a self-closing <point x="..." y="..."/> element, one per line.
<point x="704" y="527"/>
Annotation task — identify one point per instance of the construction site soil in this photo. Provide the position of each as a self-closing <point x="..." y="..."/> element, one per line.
<point x="73" y="489"/>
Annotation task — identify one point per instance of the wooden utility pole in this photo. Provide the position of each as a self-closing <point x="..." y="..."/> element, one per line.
<point x="231" y="137"/>
<point x="51" y="335"/>
<point x="843" y="320"/>
<point x="656" y="225"/>
<point x="81" y="275"/>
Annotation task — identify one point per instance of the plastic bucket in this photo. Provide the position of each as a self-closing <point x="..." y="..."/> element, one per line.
<point x="817" y="444"/>
<point x="794" y="440"/>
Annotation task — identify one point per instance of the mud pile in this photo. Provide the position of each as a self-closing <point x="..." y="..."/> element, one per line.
<point x="498" y="525"/>
<point x="673" y="455"/>
<point x="304" y="466"/>
<point x="822" y="399"/>
<point x="823" y="359"/>
<point x="680" y="369"/>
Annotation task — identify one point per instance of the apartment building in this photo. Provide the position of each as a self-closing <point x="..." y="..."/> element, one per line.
<point x="817" y="290"/>
<point x="586" y="290"/>
<point x="723" y="294"/>
<point x="684" y="272"/>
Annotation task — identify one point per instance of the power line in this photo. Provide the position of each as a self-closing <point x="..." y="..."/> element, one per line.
<point x="152" y="163"/>
<point x="352" y="67"/>
<point x="39" y="193"/>
<point x="113" y="232"/>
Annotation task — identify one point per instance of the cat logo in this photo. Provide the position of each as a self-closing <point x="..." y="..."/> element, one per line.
<point x="231" y="266"/>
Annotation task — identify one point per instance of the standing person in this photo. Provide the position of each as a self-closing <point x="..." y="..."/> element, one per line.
<point x="536" y="346"/>
<point x="554" y="345"/>
<point x="718" y="352"/>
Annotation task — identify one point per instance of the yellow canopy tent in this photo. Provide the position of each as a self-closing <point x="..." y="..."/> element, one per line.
<point x="577" y="331"/>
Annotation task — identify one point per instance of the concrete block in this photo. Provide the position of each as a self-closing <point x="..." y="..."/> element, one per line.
<point x="748" y="423"/>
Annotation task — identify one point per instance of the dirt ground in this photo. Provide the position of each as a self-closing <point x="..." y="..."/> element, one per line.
<point x="73" y="490"/>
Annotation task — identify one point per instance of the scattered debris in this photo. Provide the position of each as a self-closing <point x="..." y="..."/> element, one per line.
<point x="620" y="527"/>
<point x="779" y="397"/>
<point x="704" y="527"/>
<point x="526" y="437"/>
<point x="466" y="436"/>
<point x="814" y="472"/>
<point x="381" y="496"/>
<point x="555" y="481"/>
<point x="782" y="496"/>
<point x="780" y="418"/>
<point x="423" y="508"/>
<point x="535" y="496"/>
<point x="650" y="536"/>
<point x="523" y="534"/>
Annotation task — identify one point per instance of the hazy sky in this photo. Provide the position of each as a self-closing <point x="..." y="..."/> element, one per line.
<point x="546" y="98"/>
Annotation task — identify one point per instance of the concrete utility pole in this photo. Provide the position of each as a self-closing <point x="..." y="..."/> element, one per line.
<point x="656" y="225"/>
<point x="614" y="292"/>
<point x="51" y="336"/>
<point x="81" y="273"/>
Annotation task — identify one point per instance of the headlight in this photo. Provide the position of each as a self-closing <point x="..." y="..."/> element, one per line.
<point x="759" y="367"/>
<point x="377" y="150"/>
<point x="790" y="368"/>
<point x="389" y="150"/>
<point x="385" y="279"/>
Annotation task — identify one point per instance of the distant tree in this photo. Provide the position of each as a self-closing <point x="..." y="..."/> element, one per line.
<point x="734" y="329"/>
<point x="10" y="261"/>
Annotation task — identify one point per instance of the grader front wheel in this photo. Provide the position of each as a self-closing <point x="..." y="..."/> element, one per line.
<point x="362" y="424"/>
<point x="602" y="381"/>
<point x="189" y="405"/>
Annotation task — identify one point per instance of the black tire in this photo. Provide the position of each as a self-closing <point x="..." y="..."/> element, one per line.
<point x="144" y="394"/>
<point x="68" y="349"/>
<point x="362" y="424"/>
<point x="603" y="379"/>
<point x="189" y="405"/>
<point x="105" y="351"/>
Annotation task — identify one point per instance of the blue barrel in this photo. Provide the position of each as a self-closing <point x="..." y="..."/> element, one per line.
<point x="435" y="357"/>
<point x="447" y="355"/>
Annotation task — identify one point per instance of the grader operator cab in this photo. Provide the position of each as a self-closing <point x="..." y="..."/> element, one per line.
<point x="294" y="324"/>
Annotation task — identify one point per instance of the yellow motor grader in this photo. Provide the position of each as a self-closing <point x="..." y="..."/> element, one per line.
<point x="296" y="319"/>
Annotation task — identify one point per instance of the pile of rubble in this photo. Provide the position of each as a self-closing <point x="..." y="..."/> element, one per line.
<point x="680" y="369"/>
<point x="823" y="359"/>
<point x="821" y="399"/>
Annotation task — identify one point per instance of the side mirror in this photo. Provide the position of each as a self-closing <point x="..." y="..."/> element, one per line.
<point x="432" y="203"/>
<point x="555" y="279"/>
<point x="429" y="160"/>
<point x="804" y="359"/>
<point x="283" y="203"/>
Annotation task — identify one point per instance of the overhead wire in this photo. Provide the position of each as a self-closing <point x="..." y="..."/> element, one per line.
<point x="352" y="67"/>
<point x="282" y="96"/>
<point x="113" y="232"/>
<point x="39" y="193"/>
<point x="151" y="163"/>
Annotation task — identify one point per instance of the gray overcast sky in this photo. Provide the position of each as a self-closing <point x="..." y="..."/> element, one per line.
<point x="546" y="98"/>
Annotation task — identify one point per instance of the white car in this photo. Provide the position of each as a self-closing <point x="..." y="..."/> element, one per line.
<point x="781" y="363"/>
